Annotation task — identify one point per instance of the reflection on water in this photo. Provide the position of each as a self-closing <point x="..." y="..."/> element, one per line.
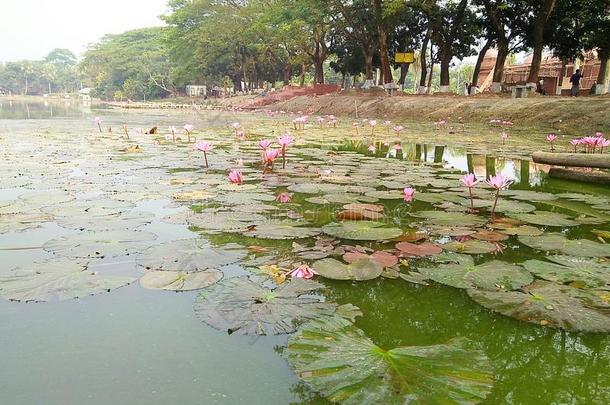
<point x="11" y="109"/>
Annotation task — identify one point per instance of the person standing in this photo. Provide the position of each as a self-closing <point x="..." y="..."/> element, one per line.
<point x="575" y="80"/>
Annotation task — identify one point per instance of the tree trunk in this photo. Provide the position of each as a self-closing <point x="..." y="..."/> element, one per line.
<point x="303" y="69"/>
<point x="404" y="70"/>
<point x="564" y="63"/>
<point x="603" y="68"/>
<point x="287" y="73"/>
<point x="386" y="70"/>
<point x="445" y="61"/>
<point x="477" y="67"/>
<point x="424" y="65"/>
<point x="429" y="87"/>
<point x="368" y="62"/>
<point x="498" y="76"/>
<point x="538" y="39"/>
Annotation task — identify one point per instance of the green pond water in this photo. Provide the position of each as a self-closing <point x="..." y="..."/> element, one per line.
<point x="62" y="181"/>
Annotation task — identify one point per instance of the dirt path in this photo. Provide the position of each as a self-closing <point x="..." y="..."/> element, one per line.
<point x="584" y="114"/>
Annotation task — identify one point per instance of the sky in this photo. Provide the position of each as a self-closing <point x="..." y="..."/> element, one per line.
<point x="30" y="29"/>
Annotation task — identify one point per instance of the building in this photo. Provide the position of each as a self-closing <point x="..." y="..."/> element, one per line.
<point x="194" y="90"/>
<point x="550" y="73"/>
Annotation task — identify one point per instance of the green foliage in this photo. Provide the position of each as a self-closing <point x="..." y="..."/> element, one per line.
<point x="134" y="64"/>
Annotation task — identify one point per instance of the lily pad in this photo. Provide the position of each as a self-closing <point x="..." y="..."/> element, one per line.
<point x="360" y="270"/>
<point x="99" y="244"/>
<point x="180" y="280"/>
<point x="555" y="242"/>
<point x="493" y="275"/>
<point x="57" y="280"/>
<point x="576" y="271"/>
<point x="548" y="304"/>
<point x="361" y="230"/>
<point x="338" y="360"/>
<point x="189" y="255"/>
<point x="472" y="246"/>
<point x="448" y="218"/>
<point x="281" y="230"/>
<point x="241" y="306"/>
<point x="421" y="250"/>
<point x="546" y="218"/>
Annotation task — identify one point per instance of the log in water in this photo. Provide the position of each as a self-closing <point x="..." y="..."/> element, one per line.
<point x="596" y="176"/>
<point x="600" y="161"/>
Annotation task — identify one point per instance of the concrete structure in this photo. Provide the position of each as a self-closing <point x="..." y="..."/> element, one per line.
<point x="553" y="82"/>
<point x="194" y="90"/>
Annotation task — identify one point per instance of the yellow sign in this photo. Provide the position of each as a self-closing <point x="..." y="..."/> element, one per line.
<point x="408" y="57"/>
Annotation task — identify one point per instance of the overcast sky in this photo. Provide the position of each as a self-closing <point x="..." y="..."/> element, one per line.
<point x="30" y="29"/>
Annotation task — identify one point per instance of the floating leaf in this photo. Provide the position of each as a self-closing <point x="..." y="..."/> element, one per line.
<point x="546" y="218"/>
<point x="57" y="280"/>
<point x="547" y="303"/>
<point x="384" y="259"/>
<point x="360" y="270"/>
<point x="361" y="230"/>
<point x="337" y="359"/>
<point x="239" y="305"/>
<point x="472" y="246"/>
<point x="189" y="255"/>
<point x="573" y="247"/>
<point x="99" y="244"/>
<point x="491" y="275"/>
<point x="576" y="271"/>
<point x="449" y="218"/>
<point x="281" y="230"/>
<point x="180" y="280"/>
<point x="423" y="249"/>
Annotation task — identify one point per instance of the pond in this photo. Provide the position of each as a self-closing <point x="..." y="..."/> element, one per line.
<point x="99" y="229"/>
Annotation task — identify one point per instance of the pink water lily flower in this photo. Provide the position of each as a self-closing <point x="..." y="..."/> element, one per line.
<point x="372" y="149"/>
<point x="284" y="141"/>
<point x="498" y="182"/>
<point x="236" y="177"/>
<point x="396" y="146"/>
<point x="303" y="271"/>
<point x="205" y="147"/>
<point x="575" y="142"/>
<point x="398" y="129"/>
<point x="504" y="137"/>
<point x="264" y="143"/>
<point x="269" y="156"/>
<point x="98" y="122"/>
<point x="551" y="138"/>
<point x="469" y="181"/>
<point x="408" y="192"/>
<point x="188" y="128"/>
<point x="284" y="198"/>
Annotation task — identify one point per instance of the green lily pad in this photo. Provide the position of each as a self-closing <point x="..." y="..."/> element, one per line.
<point x="362" y="269"/>
<point x="506" y="206"/>
<point x="472" y="246"/>
<point x="448" y="218"/>
<point x="576" y="271"/>
<point x="180" y="280"/>
<point x="545" y="218"/>
<point x="99" y="244"/>
<point x="189" y="255"/>
<point x="547" y="303"/>
<point x="555" y="242"/>
<point x="241" y="306"/>
<point x="57" y="280"/>
<point x="493" y="275"/>
<point x="281" y="230"/>
<point x="338" y="360"/>
<point x="361" y="230"/>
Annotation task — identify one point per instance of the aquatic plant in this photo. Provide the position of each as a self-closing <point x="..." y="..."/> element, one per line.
<point x="236" y="177"/>
<point x="98" y="122"/>
<point x="188" y="128"/>
<point x="284" y="141"/>
<point x="303" y="271"/>
<point x="204" y="147"/>
<point x="469" y="181"/>
<point x="408" y="193"/>
<point x="551" y="138"/>
<point x="498" y="182"/>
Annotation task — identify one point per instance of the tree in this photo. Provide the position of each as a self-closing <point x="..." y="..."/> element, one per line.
<point x="541" y="10"/>
<point x="454" y="31"/>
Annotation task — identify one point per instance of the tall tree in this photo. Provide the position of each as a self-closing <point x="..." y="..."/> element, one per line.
<point x="542" y="10"/>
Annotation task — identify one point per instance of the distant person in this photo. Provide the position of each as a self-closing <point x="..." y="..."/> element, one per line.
<point x="575" y="80"/>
